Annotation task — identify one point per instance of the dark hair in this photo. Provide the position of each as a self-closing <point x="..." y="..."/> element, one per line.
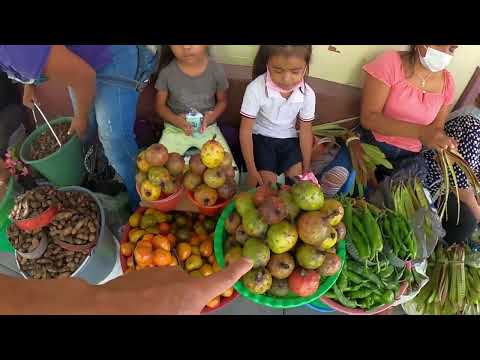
<point x="166" y="57"/>
<point x="411" y="57"/>
<point x="265" y="52"/>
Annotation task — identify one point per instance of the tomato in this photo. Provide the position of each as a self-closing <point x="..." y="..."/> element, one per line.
<point x="130" y="262"/>
<point x="206" y="248"/>
<point x="184" y="250"/>
<point x="172" y="239"/>
<point x="162" y="257"/>
<point x="143" y="256"/>
<point x="126" y="249"/>
<point x="145" y="243"/>
<point x="214" y="302"/>
<point x="211" y="259"/>
<point x="206" y="270"/>
<point x="164" y="228"/>
<point x="195" y="240"/>
<point x="161" y="242"/>
<point x="228" y="293"/>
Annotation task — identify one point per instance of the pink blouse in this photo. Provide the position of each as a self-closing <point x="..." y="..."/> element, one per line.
<point x="405" y="101"/>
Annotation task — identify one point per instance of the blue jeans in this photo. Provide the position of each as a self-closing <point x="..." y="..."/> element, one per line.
<point x="114" y="112"/>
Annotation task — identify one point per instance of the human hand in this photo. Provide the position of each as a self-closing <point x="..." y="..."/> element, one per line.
<point x="79" y="126"/>
<point x="435" y="138"/>
<point x="185" y="126"/>
<point x="208" y="119"/>
<point x="169" y="290"/>
<point x="29" y="96"/>
<point x="254" y="178"/>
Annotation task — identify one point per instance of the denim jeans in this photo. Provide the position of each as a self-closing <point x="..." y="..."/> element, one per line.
<point x="113" y="114"/>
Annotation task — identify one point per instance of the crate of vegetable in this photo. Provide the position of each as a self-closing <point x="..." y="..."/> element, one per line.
<point x="155" y="239"/>
<point x="295" y="238"/>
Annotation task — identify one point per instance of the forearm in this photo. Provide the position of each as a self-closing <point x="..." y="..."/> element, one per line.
<point x="169" y="116"/>
<point x="306" y="143"/>
<point x="390" y="127"/>
<point x="217" y="111"/>
<point x="468" y="197"/>
<point x="47" y="297"/>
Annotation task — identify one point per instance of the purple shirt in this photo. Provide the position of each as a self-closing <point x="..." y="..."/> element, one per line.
<point x="26" y="62"/>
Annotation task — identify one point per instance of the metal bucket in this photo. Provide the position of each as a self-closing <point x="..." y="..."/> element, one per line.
<point x="102" y="259"/>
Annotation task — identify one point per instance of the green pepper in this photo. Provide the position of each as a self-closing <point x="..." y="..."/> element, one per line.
<point x="388" y="297"/>
<point x="359" y="294"/>
<point x="411" y="243"/>
<point x="360" y="239"/>
<point x="375" y="232"/>
<point x="342" y="299"/>
<point x="387" y="272"/>
<point x="342" y="279"/>
<point x="359" y="270"/>
<point x="353" y="277"/>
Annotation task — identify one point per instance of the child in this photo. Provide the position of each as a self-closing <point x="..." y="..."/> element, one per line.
<point x="189" y="79"/>
<point x="273" y="101"/>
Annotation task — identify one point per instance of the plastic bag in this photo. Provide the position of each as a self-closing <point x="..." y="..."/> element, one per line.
<point x="117" y="211"/>
<point x="421" y="279"/>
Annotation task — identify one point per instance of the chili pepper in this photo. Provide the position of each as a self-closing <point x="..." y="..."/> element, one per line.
<point x="389" y="232"/>
<point x="388" y="297"/>
<point x="348" y="216"/>
<point x="360" y="244"/>
<point x="387" y="272"/>
<point x="343" y="300"/>
<point x="411" y="243"/>
<point x="359" y="270"/>
<point x="359" y="294"/>
<point x="376" y="233"/>
<point x="342" y="279"/>
<point x="354" y="278"/>
<point x="363" y="248"/>
<point x="355" y="288"/>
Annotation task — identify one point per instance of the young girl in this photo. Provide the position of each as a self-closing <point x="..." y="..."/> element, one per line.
<point x="189" y="79"/>
<point x="273" y="101"/>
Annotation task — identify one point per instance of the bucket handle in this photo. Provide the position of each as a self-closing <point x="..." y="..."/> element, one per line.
<point x="46" y="121"/>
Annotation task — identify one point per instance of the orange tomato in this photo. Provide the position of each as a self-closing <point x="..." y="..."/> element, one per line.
<point x="214" y="302"/>
<point x="126" y="249"/>
<point x="143" y="256"/>
<point x="161" y="242"/>
<point x="164" y="228"/>
<point x="211" y="259"/>
<point x="172" y="239"/>
<point x="206" y="248"/>
<point x="206" y="270"/>
<point x="174" y="261"/>
<point x="148" y="237"/>
<point x="195" y="240"/>
<point x="145" y="243"/>
<point x="216" y="267"/>
<point x="130" y="262"/>
<point x="127" y="270"/>
<point x="184" y="250"/>
<point x="162" y="257"/>
<point x="141" y="267"/>
<point x="228" y="293"/>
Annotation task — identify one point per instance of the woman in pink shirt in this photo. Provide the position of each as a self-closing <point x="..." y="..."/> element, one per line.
<point x="406" y="98"/>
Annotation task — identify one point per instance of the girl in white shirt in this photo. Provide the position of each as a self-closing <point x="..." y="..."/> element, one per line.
<point x="273" y="103"/>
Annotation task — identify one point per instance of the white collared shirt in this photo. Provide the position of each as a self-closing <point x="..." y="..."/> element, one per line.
<point x="274" y="115"/>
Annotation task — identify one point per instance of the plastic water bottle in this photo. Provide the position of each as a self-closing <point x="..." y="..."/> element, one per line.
<point x="194" y="118"/>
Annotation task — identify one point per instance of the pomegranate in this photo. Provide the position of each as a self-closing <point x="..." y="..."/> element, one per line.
<point x="272" y="210"/>
<point x="175" y="164"/>
<point x="304" y="282"/>
<point x="195" y="165"/>
<point x="156" y="155"/>
<point x="331" y="265"/>
<point x="262" y="193"/>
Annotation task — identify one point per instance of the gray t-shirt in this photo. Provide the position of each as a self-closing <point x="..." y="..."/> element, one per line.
<point x="186" y="92"/>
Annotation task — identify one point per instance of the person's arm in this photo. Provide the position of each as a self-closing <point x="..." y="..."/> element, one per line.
<point x="306" y="143"/>
<point x="246" y="145"/>
<point x="442" y="116"/>
<point x="168" y="115"/>
<point x="162" y="291"/>
<point x="468" y="197"/>
<point x="374" y="97"/>
<point x="71" y="70"/>
<point x="211" y="117"/>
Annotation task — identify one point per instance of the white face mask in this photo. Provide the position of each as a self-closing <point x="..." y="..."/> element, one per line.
<point x="435" y="60"/>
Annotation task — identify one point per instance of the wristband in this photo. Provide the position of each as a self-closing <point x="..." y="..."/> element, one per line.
<point x="350" y="139"/>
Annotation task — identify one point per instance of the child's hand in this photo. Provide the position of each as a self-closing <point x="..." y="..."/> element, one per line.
<point x="185" y="126"/>
<point x="254" y="178"/>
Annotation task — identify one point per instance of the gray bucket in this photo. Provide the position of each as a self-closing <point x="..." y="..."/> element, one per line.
<point x="102" y="259"/>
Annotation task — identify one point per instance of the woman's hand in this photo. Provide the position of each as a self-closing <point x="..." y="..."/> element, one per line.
<point x="29" y="96"/>
<point x="184" y="125"/>
<point x="435" y="138"/>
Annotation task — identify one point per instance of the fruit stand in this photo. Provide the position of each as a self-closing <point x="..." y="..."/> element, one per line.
<point x="339" y="253"/>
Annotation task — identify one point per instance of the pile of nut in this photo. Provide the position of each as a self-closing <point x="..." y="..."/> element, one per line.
<point x="46" y="143"/>
<point x="77" y="223"/>
<point x="36" y="201"/>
